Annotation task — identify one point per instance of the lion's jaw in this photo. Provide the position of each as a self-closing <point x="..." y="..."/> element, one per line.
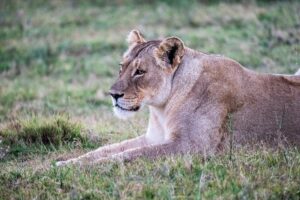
<point x="123" y="114"/>
<point x="124" y="109"/>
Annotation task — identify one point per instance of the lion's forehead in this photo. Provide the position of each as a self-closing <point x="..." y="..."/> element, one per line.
<point x="138" y="55"/>
<point x="139" y="50"/>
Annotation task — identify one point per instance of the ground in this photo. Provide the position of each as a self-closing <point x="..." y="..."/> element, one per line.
<point x="57" y="62"/>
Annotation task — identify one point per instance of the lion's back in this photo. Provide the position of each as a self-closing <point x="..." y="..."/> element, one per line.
<point x="271" y="112"/>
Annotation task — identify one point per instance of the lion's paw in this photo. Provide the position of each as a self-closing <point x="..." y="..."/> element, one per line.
<point x="63" y="163"/>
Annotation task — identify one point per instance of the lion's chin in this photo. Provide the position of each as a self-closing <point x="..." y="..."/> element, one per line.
<point x="124" y="114"/>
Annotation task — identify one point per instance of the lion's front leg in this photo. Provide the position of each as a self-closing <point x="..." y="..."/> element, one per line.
<point x="148" y="152"/>
<point x="106" y="151"/>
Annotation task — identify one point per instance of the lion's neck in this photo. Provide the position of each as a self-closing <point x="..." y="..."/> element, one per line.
<point x="185" y="78"/>
<point x="161" y="121"/>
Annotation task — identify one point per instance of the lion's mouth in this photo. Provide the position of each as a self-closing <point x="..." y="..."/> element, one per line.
<point x="133" y="109"/>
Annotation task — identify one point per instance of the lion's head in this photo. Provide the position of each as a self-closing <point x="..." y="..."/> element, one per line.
<point x="146" y="72"/>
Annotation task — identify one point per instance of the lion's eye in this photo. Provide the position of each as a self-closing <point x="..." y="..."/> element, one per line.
<point x="139" y="72"/>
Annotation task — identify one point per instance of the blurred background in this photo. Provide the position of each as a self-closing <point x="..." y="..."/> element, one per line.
<point x="62" y="56"/>
<point x="58" y="59"/>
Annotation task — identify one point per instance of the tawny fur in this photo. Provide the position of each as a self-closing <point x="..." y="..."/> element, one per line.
<point x="198" y="102"/>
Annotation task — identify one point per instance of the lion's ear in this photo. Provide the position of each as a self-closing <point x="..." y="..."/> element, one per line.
<point x="135" y="37"/>
<point x="169" y="53"/>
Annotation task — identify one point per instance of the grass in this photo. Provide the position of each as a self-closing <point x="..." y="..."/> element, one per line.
<point x="251" y="175"/>
<point x="57" y="62"/>
<point x="40" y="135"/>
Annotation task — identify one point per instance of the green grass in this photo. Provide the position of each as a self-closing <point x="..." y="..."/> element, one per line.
<point x="57" y="62"/>
<point x="38" y="135"/>
<point x="42" y="131"/>
<point x="250" y="175"/>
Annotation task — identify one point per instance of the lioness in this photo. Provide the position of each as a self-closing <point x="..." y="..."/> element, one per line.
<point x="197" y="102"/>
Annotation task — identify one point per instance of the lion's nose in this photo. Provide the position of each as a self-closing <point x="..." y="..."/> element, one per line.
<point x="116" y="95"/>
